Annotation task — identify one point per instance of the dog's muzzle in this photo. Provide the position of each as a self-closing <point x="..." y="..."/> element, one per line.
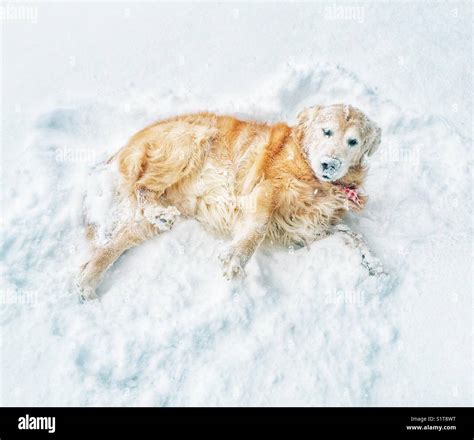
<point x="329" y="167"/>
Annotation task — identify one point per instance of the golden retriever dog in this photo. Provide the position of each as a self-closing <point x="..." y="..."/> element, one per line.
<point x="246" y="180"/>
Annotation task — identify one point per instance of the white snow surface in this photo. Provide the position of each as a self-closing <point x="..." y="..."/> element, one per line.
<point x="307" y="326"/>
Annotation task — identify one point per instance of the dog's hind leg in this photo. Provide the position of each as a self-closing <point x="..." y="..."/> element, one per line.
<point x="103" y="257"/>
<point x="368" y="259"/>
<point x="161" y="157"/>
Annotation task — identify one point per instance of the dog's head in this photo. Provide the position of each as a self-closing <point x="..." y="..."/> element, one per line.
<point x="336" y="138"/>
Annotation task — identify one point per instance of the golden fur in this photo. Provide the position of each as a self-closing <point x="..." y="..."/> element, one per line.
<point x="247" y="180"/>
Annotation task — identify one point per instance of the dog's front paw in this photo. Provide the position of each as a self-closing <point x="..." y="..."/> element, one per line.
<point x="232" y="264"/>
<point x="163" y="218"/>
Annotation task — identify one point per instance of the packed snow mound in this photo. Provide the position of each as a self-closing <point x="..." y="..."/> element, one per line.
<point x="306" y="327"/>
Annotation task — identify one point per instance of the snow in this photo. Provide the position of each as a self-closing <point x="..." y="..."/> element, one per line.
<point x="307" y="326"/>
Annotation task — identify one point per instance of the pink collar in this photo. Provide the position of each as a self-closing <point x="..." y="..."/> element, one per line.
<point x="352" y="194"/>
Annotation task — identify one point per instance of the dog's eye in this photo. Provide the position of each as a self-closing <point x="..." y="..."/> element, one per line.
<point x="327" y="132"/>
<point x="352" y="142"/>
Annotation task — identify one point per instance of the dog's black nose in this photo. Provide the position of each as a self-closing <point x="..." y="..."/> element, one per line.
<point x="330" y="165"/>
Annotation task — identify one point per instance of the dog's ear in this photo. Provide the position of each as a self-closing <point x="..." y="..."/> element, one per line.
<point x="307" y="114"/>
<point x="374" y="137"/>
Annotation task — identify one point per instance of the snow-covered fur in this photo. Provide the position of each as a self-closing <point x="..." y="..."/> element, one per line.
<point x="247" y="180"/>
